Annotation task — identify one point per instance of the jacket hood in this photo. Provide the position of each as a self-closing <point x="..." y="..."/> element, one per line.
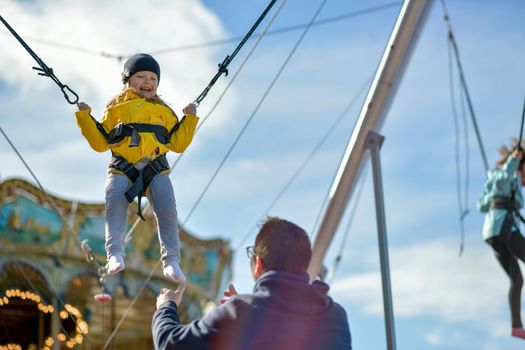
<point x="293" y="292"/>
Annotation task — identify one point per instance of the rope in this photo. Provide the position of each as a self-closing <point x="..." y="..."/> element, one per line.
<point x="263" y="98"/>
<point x="283" y="29"/>
<point x="223" y="67"/>
<point x="464" y="86"/>
<point x="117" y="327"/>
<point x="70" y="47"/>
<point x="101" y="271"/>
<point x="462" y="205"/>
<point x="44" y="69"/>
<point x="351" y="216"/>
<point x="120" y="57"/>
<point x="521" y="127"/>
<point x="306" y="161"/>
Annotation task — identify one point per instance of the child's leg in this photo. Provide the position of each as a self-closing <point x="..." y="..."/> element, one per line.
<point x="162" y="198"/>
<point x="116" y="219"/>
<point x="516" y="245"/>
<point x="511" y="267"/>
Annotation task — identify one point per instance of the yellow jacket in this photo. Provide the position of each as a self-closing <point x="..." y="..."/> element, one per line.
<point x="134" y="109"/>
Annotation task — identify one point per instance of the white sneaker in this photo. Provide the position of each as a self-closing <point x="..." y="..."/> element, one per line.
<point x="115" y="264"/>
<point x="173" y="272"/>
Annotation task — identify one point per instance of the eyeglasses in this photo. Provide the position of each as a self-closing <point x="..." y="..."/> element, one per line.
<point x="249" y="252"/>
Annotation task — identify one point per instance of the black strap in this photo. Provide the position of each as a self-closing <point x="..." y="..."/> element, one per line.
<point x="521" y="127"/>
<point x="133" y="130"/>
<point x="508" y="204"/>
<point x="100" y="127"/>
<point x="223" y="67"/>
<point x="177" y="126"/>
<point x="140" y="179"/>
<point x="499" y="202"/>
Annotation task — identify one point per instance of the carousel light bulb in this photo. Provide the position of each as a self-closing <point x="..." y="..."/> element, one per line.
<point x="82" y="327"/>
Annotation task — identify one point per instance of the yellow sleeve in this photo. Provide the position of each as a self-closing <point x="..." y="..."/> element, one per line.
<point x="88" y="126"/>
<point x="182" y="137"/>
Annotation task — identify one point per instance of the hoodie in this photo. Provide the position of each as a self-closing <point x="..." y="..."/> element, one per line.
<point x="284" y="312"/>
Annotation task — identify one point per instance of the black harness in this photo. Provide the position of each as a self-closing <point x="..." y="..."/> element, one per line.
<point x="133" y="131"/>
<point x="140" y="179"/>
<point x="500" y="202"/>
<point x="512" y="207"/>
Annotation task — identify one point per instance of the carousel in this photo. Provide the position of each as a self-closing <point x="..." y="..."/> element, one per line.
<point x="53" y="290"/>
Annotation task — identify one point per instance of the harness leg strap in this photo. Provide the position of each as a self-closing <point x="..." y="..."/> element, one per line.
<point x="140" y="179"/>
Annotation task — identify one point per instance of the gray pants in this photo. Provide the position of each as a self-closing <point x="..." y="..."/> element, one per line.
<point x="162" y="198"/>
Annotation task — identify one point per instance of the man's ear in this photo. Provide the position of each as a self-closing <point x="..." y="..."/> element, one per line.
<point x="258" y="268"/>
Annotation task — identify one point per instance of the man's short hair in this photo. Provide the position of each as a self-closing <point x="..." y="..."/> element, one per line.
<point x="283" y="246"/>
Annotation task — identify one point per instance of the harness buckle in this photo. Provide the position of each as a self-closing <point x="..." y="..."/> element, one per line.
<point x="117" y="130"/>
<point x="154" y="167"/>
<point x="135" y="137"/>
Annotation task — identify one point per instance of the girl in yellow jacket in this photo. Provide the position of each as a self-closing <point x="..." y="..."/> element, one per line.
<point x="140" y="128"/>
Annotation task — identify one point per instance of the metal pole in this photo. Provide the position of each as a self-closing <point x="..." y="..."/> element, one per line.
<point x="373" y="142"/>
<point x="388" y="76"/>
<point x="55" y="324"/>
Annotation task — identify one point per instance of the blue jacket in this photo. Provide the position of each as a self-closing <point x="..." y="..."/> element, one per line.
<point x="284" y="312"/>
<point x="500" y="182"/>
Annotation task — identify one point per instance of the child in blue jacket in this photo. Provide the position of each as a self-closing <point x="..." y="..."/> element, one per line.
<point x="502" y="200"/>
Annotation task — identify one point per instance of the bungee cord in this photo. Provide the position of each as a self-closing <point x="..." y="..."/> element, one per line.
<point x="248" y="121"/>
<point x="462" y="202"/>
<point x="463" y="81"/>
<point x="351" y="216"/>
<point x="223" y="67"/>
<point x="44" y="70"/>
<point x="521" y="126"/>
<point x="306" y="161"/>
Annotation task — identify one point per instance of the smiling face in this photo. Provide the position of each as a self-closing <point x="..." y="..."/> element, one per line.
<point x="145" y="83"/>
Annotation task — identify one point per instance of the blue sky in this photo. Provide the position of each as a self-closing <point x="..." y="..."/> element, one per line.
<point x="441" y="301"/>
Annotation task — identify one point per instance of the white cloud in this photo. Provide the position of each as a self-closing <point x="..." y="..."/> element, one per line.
<point x="430" y="280"/>
<point x="433" y="338"/>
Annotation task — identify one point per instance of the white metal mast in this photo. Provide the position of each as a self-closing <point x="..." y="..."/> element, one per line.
<point x="389" y="73"/>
